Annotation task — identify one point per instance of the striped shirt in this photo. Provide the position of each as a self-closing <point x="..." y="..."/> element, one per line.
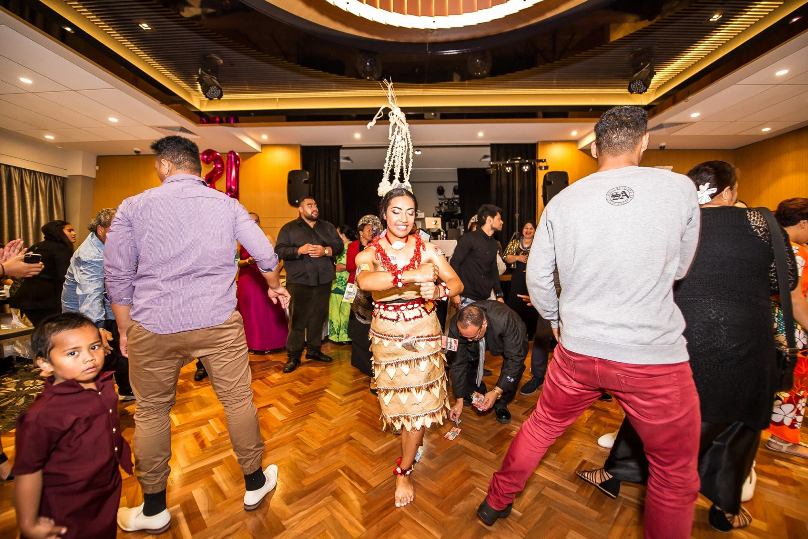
<point x="169" y="254"/>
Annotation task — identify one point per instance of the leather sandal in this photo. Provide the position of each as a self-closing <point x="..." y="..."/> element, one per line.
<point x="725" y="522"/>
<point x="603" y="480"/>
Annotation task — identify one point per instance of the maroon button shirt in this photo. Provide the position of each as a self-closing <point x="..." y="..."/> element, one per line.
<point x="74" y="436"/>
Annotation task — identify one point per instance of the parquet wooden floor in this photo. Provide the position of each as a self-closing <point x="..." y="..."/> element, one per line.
<point x="321" y="427"/>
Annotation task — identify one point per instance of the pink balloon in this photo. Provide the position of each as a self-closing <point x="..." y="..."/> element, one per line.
<point x="231" y="181"/>
<point x="213" y="157"/>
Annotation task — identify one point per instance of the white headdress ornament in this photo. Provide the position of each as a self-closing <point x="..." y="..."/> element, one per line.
<point x="398" y="161"/>
<point x="705" y="194"/>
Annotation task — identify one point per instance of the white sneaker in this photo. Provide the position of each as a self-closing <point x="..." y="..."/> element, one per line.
<point x="748" y="489"/>
<point x="132" y="519"/>
<point x="253" y="498"/>
<point x="607" y="440"/>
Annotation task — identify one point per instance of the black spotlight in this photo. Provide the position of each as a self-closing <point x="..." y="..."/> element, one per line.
<point x="478" y="64"/>
<point x="642" y="65"/>
<point x="368" y="66"/>
<point x="208" y="77"/>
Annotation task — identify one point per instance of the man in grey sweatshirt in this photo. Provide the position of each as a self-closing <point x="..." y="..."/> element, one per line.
<point x="619" y="239"/>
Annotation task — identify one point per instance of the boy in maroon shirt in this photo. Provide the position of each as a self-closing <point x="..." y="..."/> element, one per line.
<point x="69" y="442"/>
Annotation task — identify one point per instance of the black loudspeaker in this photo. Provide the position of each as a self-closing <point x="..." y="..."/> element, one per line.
<point x="554" y="181"/>
<point x="298" y="186"/>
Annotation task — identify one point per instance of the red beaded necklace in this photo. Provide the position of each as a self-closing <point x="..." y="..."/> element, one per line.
<point x="387" y="264"/>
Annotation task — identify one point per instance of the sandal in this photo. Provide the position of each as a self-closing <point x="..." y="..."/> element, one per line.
<point x="725" y="522"/>
<point x="602" y="479"/>
<point x="781" y="446"/>
<point x="3" y="460"/>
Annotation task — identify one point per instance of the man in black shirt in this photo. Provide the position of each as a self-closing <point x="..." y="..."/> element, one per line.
<point x="493" y="326"/>
<point x="475" y="258"/>
<point x="307" y="247"/>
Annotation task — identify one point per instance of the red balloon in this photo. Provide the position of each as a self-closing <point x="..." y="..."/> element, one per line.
<point x="214" y="157"/>
<point x="231" y="182"/>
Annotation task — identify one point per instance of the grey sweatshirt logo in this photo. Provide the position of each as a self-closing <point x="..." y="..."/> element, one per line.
<point x="617" y="196"/>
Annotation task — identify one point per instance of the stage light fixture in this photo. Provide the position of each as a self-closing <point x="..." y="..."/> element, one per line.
<point x="642" y="65"/>
<point x="525" y="168"/>
<point x="368" y="66"/>
<point x="208" y="77"/>
<point x="508" y="169"/>
<point x="478" y="64"/>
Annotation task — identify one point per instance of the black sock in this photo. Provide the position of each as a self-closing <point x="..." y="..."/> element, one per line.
<point x="255" y="480"/>
<point x="154" y="503"/>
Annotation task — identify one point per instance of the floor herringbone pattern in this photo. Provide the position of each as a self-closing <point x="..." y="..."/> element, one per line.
<point x="321" y="427"/>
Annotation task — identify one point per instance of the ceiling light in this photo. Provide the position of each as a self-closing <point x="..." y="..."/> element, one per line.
<point x="264" y="137"/>
<point x="485" y="157"/>
<point x="766" y="129"/>
<point x="480" y="134"/>
<point x="113" y="119"/>
<point x="49" y="137"/>
<point x="209" y="85"/>
<point x="642" y="65"/>
<point x="716" y="16"/>
<point x="695" y="114"/>
<point x="574" y="133"/>
<point x="418" y="152"/>
<point x="68" y="29"/>
<point x="26" y="80"/>
<point x="357" y="136"/>
<point x="794" y="19"/>
<point x="144" y="26"/>
<point x="781" y="73"/>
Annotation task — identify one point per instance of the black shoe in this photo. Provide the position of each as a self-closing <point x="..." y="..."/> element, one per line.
<point x="530" y="387"/>
<point x="316" y="355"/>
<point x="503" y="415"/>
<point x="200" y="373"/>
<point x="489" y="515"/>
<point x="605" y="397"/>
<point x="291" y="365"/>
<point x="610" y="487"/>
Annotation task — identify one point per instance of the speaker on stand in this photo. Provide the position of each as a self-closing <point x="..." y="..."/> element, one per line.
<point x="298" y="186"/>
<point x="552" y="184"/>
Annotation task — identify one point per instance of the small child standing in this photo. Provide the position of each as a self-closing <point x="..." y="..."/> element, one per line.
<point x="69" y="442"/>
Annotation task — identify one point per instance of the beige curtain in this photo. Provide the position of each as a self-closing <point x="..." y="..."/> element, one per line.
<point x="28" y="200"/>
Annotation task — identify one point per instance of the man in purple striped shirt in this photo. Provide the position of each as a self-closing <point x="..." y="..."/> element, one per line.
<point x="170" y="275"/>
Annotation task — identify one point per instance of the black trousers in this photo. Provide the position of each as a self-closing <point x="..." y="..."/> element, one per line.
<point x="543" y="344"/>
<point x="726" y="453"/>
<point x="116" y="361"/>
<point x="308" y="311"/>
<point x="507" y="395"/>
<point x="361" y="358"/>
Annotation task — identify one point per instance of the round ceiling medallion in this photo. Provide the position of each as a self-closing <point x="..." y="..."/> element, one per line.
<point x="403" y="13"/>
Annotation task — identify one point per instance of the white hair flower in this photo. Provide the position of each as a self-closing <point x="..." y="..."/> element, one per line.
<point x="706" y="193"/>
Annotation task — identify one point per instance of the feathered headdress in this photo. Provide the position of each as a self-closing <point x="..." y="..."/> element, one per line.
<point x="398" y="161"/>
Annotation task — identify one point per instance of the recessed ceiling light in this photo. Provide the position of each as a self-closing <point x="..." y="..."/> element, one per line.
<point x="781" y="73"/>
<point x="794" y="19"/>
<point x="49" y="137"/>
<point x="574" y="133"/>
<point x="716" y="16"/>
<point x="480" y="134"/>
<point x="68" y="29"/>
<point x="26" y="80"/>
<point x="417" y="152"/>
<point x="264" y="137"/>
<point x="357" y="136"/>
<point x="113" y="119"/>
<point x="766" y="129"/>
<point x="144" y="26"/>
<point x="695" y="114"/>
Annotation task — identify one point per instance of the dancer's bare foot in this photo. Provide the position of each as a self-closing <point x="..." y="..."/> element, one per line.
<point x="5" y="470"/>
<point x="405" y="490"/>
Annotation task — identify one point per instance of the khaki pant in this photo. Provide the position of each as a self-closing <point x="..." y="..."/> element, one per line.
<point x="155" y="361"/>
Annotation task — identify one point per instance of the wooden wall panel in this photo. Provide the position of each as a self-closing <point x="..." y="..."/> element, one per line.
<point x="262" y="182"/>
<point x="773" y="170"/>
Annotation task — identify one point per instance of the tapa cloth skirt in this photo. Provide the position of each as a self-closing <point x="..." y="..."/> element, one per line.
<point x="409" y="364"/>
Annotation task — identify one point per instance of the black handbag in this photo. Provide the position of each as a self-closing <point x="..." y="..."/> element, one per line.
<point x="786" y="357"/>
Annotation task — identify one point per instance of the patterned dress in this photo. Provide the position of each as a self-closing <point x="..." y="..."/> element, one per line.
<point x="408" y="361"/>
<point x="339" y="311"/>
<point x="789" y="407"/>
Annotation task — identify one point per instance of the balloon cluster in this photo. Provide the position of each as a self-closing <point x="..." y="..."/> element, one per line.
<point x="230" y="169"/>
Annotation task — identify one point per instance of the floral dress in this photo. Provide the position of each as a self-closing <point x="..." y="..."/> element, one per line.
<point x="339" y="311"/>
<point x="789" y="407"/>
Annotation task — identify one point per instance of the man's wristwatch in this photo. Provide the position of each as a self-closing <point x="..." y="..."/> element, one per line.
<point x="498" y="391"/>
<point x="328" y="251"/>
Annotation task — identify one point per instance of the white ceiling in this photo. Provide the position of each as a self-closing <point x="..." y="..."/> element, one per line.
<point x="72" y="99"/>
<point x="734" y="110"/>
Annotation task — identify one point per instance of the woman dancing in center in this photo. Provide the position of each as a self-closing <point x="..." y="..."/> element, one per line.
<point x="400" y="271"/>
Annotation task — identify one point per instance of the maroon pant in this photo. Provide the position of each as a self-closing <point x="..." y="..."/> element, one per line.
<point x="662" y="404"/>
